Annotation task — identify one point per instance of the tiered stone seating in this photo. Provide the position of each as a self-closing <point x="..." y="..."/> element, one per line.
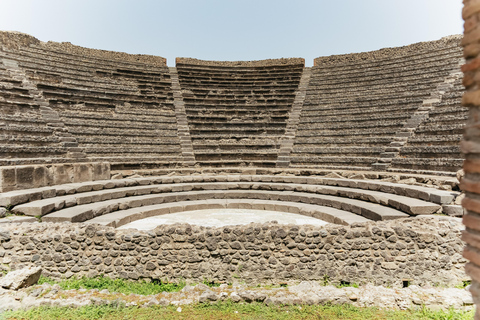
<point x="116" y="202"/>
<point x="356" y="103"/>
<point x="24" y="133"/>
<point x="118" y="110"/>
<point x="237" y="111"/>
<point x="123" y="112"/>
<point x="435" y="143"/>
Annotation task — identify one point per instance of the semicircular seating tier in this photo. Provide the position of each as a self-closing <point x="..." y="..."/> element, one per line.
<point x="120" y="201"/>
<point x="237" y="112"/>
<point x="393" y="109"/>
<point x="75" y="104"/>
<point x="79" y="125"/>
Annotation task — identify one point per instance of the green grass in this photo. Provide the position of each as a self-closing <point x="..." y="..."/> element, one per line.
<point x="115" y="285"/>
<point x="229" y="310"/>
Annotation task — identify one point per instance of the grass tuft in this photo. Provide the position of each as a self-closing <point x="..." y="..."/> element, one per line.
<point x="230" y="311"/>
<point x="115" y="285"/>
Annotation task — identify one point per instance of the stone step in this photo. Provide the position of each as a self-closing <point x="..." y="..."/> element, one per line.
<point x="328" y="214"/>
<point x="405" y="204"/>
<point x="14" y="198"/>
<point x="85" y="212"/>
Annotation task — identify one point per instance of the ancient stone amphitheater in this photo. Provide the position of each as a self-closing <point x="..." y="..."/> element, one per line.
<point x="101" y="139"/>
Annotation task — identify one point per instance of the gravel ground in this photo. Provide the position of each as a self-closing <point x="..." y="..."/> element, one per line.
<point x="304" y="293"/>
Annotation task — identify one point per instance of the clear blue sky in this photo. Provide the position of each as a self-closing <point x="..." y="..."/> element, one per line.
<point x="234" y="30"/>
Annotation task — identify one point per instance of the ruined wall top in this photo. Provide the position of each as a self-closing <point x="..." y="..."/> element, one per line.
<point x="257" y="63"/>
<point x="388" y="53"/>
<point x="15" y="40"/>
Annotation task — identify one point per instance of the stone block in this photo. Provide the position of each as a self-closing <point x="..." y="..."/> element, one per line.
<point x="7" y="179"/>
<point x="24" y="177"/>
<point x="39" y="176"/>
<point x="62" y="173"/>
<point x="100" y="171"/>
<point x="82" y="172"/>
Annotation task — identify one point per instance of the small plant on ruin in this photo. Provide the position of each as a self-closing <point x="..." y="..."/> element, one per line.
<point x="464" y="284"/>
<point x="326" y="280"/>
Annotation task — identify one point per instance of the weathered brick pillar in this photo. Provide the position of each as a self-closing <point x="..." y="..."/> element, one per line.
<point x="471" y="145"/>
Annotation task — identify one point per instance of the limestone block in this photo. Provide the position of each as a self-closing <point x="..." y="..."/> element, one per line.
<point x="7" y="179"/>
<point x="62" y="173"/>
<point x="24" y="177"/>
<point x="100" y="171"/>
<point x="22" y="278"/>
<point x="82" y="172"/>
<point x="39" y="176"/>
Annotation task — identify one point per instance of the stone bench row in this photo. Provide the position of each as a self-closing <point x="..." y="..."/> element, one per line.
<point x="95" y="131"/>
<point x="373" y="141"/>
<point x="235" y="77"/>
<point x="258" y="116"/>
<point x="423" y="193"/>
<point x="372" y="126"/>
<point x="348" y="133"/>
<point x="143" y="118"/>
<point x="115" y="123"/>
<point x="313" y="103"/>
<point x="268" y="101"/>
<point x="220" y="109"/>
<point x="363" y="90"/>
<point x="89" y="65"/>
<point x="83" y="212"/>
<point x="94" y="93"/>
<point x="166" y="142"/>
<point x="264" y="146"/>
<point x="333" y="162"/>
<point x="206" y="156"/>
<point x="235" y="136"/>
<point x="245" y="94"/>
<point x="441" y="129"/>
<point x="105" y="104"/>
<point x="447" y="53"/>
<point x="52" y="75"/>
<point x="103" y="99"/>
<point x="328" y="214"/>
<point x="226" y="133"/>
<point x="31" y="151"/>
<point x="435" y="139"/>
<point x="190" y="68"/>
<point x="362" y="82"/>
<point x="393" y="74"/>
<point x="365" y="117"/>
<point x="361" y="111"/>
<point x="367" y="95"/>
<point x="238" y="162"/>
<point x="440" y="151"/>
<point x="350" y="151"/>
<point x="50" y="54"/>
<point x="72" y="72"/>
<point x="86" y="81"/>
<point x="246" y="123"/>
<point x="422" y="165"/>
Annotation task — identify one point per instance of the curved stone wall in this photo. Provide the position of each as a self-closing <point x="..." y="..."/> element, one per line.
<point x="420" y="251"/>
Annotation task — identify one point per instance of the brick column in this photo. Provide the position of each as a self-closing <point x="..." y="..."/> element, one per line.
<point x="471" y="145"/>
